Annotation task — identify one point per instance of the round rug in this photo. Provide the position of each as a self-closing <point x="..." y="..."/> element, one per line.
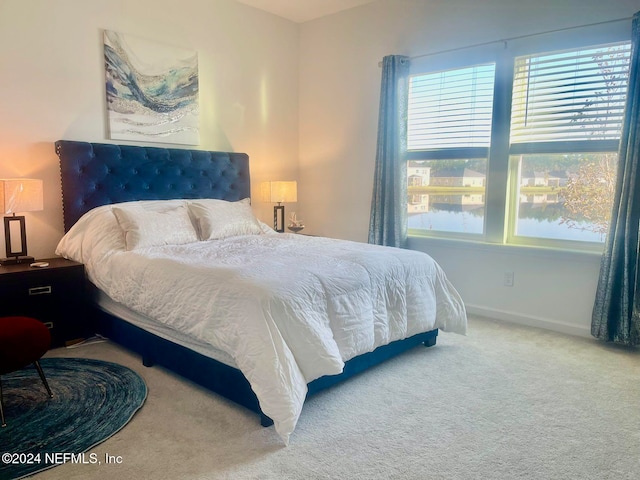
<point x="92" y="400"/>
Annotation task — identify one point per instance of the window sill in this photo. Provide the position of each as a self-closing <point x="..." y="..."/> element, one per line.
<point x="421" y="241"/>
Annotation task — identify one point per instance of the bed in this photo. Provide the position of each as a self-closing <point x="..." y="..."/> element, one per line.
<point x="182" y="273"/>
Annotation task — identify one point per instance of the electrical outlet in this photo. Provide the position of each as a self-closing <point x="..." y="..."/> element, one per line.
<point x="508" y="279"/>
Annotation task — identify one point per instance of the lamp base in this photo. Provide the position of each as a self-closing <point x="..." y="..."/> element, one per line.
<point x="278" y="218"/>
<point x="16" y="260"/>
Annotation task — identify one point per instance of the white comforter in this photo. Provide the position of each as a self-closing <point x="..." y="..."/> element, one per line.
<point x="288" y="308"/>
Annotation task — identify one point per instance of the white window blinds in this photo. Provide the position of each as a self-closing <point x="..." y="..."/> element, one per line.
<point x="570" y="96"/>
<point x="451" y="108"/>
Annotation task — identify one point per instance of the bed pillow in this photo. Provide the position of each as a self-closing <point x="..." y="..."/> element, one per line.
<point x="148" y="228"/>
<point x="94" y="236"/>
<point x="216" y="219"/>
<point x="266" y="229"/>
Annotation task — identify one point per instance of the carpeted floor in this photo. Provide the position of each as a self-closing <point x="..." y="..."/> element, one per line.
<point x="504" y="402"/>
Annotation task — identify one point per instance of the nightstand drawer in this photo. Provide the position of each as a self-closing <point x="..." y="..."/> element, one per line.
<point x="41" y="286"/>
<point x="55" y="295"/>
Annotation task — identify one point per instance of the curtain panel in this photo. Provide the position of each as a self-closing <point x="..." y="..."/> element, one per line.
<point x="388" y="220"/>
<point x="616" y="311"/>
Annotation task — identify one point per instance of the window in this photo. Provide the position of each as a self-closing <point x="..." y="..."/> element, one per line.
<point x="550" y="167"/>
<point x="566" y="119"/>
<point x="449" y="133"/>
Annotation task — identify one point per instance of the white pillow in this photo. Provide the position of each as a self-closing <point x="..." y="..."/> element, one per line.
<point x="266" y="229"/>
<point x="217" y="219"/>
<point x="93" y="237"/>
<point x="148" y="228"/>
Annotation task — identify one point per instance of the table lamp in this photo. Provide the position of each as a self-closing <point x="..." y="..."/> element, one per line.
<point x="18" y="195"/>
<point x="279" y="192"/>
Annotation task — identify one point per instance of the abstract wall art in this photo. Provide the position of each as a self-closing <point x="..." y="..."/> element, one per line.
<point x="152" y="90"/>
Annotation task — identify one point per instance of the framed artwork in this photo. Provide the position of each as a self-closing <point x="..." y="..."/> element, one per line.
<point x="152" y="90"/>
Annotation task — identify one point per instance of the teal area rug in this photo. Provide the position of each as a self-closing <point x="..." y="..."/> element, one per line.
<point x="92" y="400"/>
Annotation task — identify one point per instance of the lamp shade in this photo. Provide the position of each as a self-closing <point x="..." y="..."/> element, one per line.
<point x="279" y="192"/>
<point x="20" y="195"/>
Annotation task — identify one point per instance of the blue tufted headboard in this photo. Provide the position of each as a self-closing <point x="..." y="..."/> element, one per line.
<point x="95" y="174"/>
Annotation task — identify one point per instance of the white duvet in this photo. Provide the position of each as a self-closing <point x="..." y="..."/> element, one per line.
<point x="288" y="308"/>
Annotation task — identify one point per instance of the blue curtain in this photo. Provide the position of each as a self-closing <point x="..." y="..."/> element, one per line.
<point x="387" y="224"/>
<point x="616" y="312"/>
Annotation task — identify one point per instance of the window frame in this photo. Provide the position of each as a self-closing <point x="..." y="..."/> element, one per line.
<point x="502" y="180"/>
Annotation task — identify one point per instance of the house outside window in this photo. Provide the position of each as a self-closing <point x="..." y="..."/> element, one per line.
<point x="545" y="159"/>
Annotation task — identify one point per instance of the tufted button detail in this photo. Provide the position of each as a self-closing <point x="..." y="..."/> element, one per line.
<point x="102" y="174"/>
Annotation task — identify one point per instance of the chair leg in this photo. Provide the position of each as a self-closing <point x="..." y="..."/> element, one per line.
<point x="44" y="381"/>
<point x="4" y="424"/>
<point x="42" y="377"/>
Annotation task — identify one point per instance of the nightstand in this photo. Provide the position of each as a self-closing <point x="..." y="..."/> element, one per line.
<point x="55" y="295"/>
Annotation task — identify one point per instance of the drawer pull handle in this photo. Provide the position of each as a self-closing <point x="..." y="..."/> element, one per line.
<point x="40" y="290"/>
<point x="49" y="325"/>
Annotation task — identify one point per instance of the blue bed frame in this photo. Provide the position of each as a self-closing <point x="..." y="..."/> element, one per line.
<point x="95" y="174"/>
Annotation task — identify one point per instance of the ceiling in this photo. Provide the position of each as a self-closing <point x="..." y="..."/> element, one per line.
<point x="303" y="10"/>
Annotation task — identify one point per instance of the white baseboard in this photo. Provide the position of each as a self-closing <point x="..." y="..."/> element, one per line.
<point x="530" y="321"/>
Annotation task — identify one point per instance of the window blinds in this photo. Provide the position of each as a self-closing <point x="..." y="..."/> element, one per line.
<point x="570" y="96"/>
<point x="451" y="108"/>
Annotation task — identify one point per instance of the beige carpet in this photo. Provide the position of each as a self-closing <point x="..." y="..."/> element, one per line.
<point x="504" y="402"/>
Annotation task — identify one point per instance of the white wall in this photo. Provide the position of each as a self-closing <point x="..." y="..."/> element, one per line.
<point x="52" y="86"/>
<point x="339" y="91"/>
